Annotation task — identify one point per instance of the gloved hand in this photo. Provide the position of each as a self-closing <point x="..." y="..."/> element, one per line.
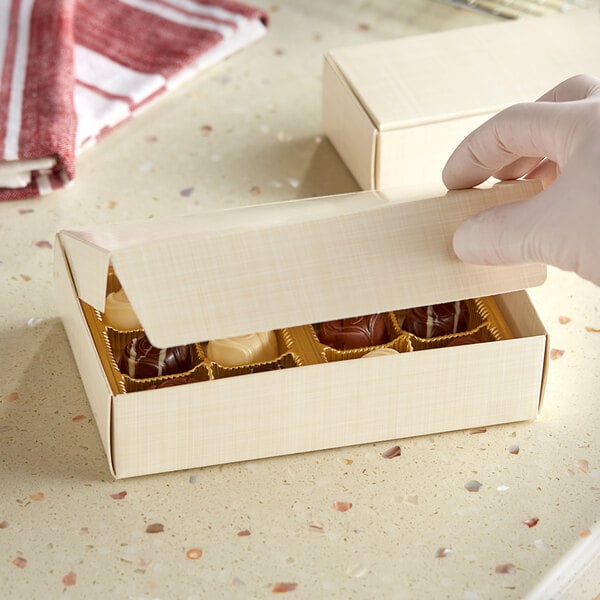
<point x="556" y="140"/>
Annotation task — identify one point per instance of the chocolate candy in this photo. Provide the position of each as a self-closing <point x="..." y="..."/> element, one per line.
<point x="437" y="320"/>
<point x="356" y="332"/>
<point x="141" y="360"/>
<point x="464" y="340"/>
<point x="243" y="349"/>
<point x="118" y="312"/>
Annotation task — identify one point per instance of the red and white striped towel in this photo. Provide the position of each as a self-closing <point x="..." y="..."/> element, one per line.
<point x="72" y="70"/>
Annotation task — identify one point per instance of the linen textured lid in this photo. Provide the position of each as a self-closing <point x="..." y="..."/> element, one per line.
<point x="231" y="272"/>
<point x="442" y="77"/>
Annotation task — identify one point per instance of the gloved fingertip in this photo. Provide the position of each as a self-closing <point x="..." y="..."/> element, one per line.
<point x="466" y="243"/>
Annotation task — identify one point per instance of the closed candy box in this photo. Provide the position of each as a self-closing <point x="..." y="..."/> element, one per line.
<point x="251" y="325"/>
<point x="395" y="110"/>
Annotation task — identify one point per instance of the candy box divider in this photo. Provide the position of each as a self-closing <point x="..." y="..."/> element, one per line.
<point x="286" y="360"/>
<point x="419" y="344"/>
<point x="400" y="343"/>
<point x="201" y="373"/>
<point x="303" y="343"/>
<point x="102" y="342"/>
<point x="483" y="312"/>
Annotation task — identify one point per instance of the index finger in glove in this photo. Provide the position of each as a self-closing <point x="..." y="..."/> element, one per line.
<point x="536" y="130"/>
<point x="574" y="88"/>
<point x="513" y="142"/>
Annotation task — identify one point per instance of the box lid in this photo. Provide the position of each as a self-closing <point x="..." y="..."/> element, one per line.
<point x="463" y="72"/>
<point x="236" y="271"/>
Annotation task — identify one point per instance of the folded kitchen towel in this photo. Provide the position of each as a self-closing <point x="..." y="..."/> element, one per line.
<point x="72" y="70"/>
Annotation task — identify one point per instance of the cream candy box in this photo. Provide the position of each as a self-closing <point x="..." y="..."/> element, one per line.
<point x="290" y="268"/>
<point x="395" y="110"/>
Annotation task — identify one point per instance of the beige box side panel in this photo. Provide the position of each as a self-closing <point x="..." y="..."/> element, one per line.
<point x="90" y="368"/>
<point x="520" y="314"/>
<point x="523" y="320"/>
<point x="418" y="154"/>
<point x="348" y="126"/>
<point x="325" y="406"/>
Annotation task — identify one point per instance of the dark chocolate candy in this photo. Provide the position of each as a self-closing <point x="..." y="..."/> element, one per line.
<point x="141" y="360"/>
<point x="355" y="332"/>
<point x="437" y="320"/>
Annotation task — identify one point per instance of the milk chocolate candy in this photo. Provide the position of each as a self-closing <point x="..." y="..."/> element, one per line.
<point x="118" y="312"/>
<point x="355" y="332"/>
<point x="437" y="320"/>
<point x="141" y="360"/>
<point x="243" y="349"/>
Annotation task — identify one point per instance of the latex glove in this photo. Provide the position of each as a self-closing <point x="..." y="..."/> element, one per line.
<point x="557" y="140"/>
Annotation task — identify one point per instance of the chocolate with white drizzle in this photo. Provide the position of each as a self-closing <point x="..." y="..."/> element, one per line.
<point x="437" y="320"/>
<point x="141" y="360"/>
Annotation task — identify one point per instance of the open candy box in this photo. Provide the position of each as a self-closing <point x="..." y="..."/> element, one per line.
<point x="296" y="326"/>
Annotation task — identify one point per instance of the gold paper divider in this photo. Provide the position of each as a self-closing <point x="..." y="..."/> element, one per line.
<point x="476" y="316"/>
<point x="98" y="331"/>
<point x="199" y="373"/>
<point x="303" y="342"/>
<point x="483" y="331"/>
<point x="401" y="344"/>
<point x="491" y="313"/>
<point x="285" y="361"/>
<point x="333" y="355"/>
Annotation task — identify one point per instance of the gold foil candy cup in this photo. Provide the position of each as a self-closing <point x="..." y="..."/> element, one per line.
<point x="286" y="361"/>
<point x="303" y="343"/>
<point x="385" y="351"/>
<point x="198" y="374"/>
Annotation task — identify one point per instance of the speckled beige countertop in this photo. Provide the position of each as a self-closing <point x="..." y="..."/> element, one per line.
<point x="249" y="131"/>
